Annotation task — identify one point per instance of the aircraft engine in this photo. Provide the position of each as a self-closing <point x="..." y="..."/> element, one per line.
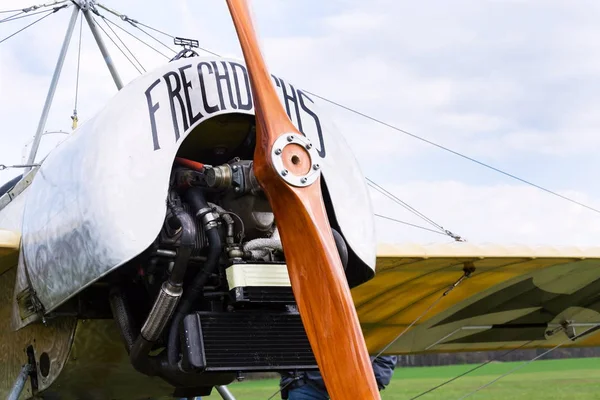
<point x="216" y="294"/>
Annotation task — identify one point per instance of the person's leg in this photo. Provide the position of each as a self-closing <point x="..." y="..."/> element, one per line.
<point x="307" y="392"/>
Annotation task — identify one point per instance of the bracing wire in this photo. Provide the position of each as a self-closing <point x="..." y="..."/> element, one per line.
<point x="403" y="204"/>
<point x="136" y="22"/>
<point x="9" y="11"/>
<point x="154" y="29"/>
<point x="119" y="48"/>
<point x="409" y="224"/>
<point x="124" y="45"/>
<point x="391" y="196"/>
<point x="471" y="370"/>
<point x="28" y="9"/>
<point x="137" y="38"/>
<point x="569" y="339"/>
<point x="10" y="17"/>
<point x="15" y="17"/>
<point x="164" y="45"/>
<point x="453" y="152"/>
<point x="50" y="12"/>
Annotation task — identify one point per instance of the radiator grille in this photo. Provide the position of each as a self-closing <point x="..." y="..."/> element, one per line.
<point x="247" y="341"/>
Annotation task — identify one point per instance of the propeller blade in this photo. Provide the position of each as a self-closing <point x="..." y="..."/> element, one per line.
<point x="286" y="166"/>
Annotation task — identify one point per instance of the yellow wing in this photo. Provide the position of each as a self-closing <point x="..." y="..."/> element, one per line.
<point x="516" y="296"/>
<point x="9" y="249"/>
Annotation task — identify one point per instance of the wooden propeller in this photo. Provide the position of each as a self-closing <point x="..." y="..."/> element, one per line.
<point x="286" y="166"/>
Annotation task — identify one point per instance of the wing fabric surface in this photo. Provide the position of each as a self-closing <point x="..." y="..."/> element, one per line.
<point x="9" y="249"/>
<point x="515" y="295"/>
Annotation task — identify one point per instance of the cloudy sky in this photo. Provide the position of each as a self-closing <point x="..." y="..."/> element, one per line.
<point x="513" y="83"/>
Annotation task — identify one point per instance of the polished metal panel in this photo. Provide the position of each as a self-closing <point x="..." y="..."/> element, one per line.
<point x="99" y="199"/>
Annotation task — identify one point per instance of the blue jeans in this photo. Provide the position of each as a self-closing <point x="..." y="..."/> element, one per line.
<point x="307" y="392"/>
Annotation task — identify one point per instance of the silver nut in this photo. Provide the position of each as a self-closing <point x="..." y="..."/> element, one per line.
<point x="235" y="168"/>
<point x="284" y="172"/>
<point x="316" y="167"/>
<point x="277" y="151"/>
<point x="303" y="180"/>
<point x="290" y="138"/>
<point x="308" y="146"/>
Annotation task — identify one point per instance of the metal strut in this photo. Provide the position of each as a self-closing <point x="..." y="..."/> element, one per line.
<point x="224" y="392"/>
<point x="51" y="90"/>
<point x="17" y="389"/>
<point x="107" y="59"/>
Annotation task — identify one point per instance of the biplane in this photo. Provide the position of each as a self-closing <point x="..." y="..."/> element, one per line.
<point x="211" y="221"/>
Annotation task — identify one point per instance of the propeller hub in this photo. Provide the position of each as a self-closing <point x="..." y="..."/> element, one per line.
<point x="294" y="158"/>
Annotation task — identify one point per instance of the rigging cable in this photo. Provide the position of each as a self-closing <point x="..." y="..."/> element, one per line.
<point x="10" y="17"/>
<point x="50" y="12"/>
<point x="454" y="152"/>
<point x="174" y="51"/>
<point x="573" y="339"/>
<point x="131" y="34"/>
<point x="74" y="116"/>
<point x="28" y="9"/>
<point x="134" y="21"/>
<point x="412" y="209"/>
<point x="124" y="45"/>
<point x="471" y="370"/>
<point x="3" y="167"/>
<point x="9" y="11"/>
<point x="409" y="224"/>
<point x="117" y="46"/>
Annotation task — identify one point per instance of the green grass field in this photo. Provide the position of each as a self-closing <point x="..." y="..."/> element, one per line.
<point x="573" y="379"/>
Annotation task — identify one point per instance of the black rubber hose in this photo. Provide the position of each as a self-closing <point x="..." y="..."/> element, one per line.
<point x="197" y="200"/>
<point x="195" y="197"/>
<point x="340" y="243"/>
<point x="140" y="359"/>
<point x="139" y="348"/>
<point x="186" y="245"/>
<point x="122" y="316"/>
